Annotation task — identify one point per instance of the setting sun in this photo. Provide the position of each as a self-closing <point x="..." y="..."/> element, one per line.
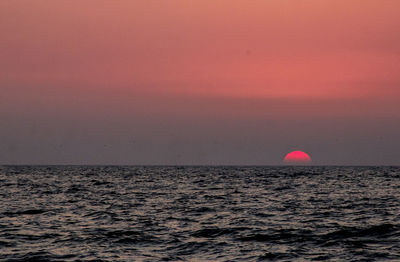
<point x="297" y="157"/>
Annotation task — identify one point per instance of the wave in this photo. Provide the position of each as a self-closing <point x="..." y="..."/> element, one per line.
<point x="25" y="212"/>
<point x="351" y="235"/>
<point x="216" y="232"/>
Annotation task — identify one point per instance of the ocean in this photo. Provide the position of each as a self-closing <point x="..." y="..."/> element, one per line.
<point x="199" y="213"/>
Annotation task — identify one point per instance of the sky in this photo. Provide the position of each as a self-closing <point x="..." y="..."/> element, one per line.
<point x="199" y="82"/>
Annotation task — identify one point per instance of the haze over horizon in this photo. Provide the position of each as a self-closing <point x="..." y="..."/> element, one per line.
<point x="199" y="82"/>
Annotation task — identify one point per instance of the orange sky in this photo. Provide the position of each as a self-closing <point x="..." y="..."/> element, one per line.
<point x="229" y="48"/>
<point x="275" y="59"/>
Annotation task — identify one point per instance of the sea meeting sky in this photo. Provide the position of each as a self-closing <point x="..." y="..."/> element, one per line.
<point x="199" y="82"/>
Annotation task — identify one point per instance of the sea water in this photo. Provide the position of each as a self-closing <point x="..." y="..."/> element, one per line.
<point x="133" y="213"/>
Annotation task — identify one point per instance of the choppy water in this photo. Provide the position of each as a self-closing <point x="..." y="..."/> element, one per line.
<point x="199" y="213"/>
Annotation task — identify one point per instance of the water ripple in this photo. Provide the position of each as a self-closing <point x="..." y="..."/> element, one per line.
<point x="81" y="213"/>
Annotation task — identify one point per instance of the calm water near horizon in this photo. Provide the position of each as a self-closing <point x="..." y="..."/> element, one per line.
<point x="231" y="213"/>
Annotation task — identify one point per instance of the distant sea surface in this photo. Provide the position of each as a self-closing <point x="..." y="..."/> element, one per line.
<point x="123" y="213"/>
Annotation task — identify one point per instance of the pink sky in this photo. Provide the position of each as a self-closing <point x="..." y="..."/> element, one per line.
<point x="296" y="65"/>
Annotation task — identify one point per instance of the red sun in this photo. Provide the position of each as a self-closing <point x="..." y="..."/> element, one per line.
<point x="297" y="157"/>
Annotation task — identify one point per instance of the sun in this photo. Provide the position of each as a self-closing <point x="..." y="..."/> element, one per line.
<point x="297" y="157"/>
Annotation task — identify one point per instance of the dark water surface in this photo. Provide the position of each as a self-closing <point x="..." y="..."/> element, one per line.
<point x="199" y="213"/>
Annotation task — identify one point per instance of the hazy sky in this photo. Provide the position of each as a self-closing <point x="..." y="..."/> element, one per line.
<point x="199" y="82"/>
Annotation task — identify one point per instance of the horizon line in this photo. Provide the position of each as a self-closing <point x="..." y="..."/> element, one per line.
<point x="208" y="165"/>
